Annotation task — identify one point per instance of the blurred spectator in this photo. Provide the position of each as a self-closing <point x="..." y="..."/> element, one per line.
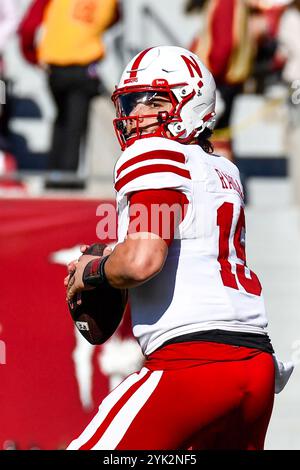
<point x="225" y="46"/>
<point x="70" y="46"/>
<point x="8" y="25"/>
<point x="288" y="37"/>
<point x="29" y="28"/>
<point x="264" y="23"/>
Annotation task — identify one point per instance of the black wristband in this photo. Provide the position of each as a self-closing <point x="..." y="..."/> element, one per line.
<point x="94" y="274"/>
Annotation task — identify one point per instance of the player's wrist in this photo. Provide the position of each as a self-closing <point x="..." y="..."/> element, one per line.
<point x="94" y="273"/>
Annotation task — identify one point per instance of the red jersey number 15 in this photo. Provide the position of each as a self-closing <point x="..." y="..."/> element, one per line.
<point x="224" y="221"/>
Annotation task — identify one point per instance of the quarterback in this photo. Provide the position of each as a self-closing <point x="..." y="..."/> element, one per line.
<point x="197" y="309"/>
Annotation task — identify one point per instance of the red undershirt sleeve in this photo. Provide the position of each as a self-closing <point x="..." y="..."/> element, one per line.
<point x="158" y="211"/>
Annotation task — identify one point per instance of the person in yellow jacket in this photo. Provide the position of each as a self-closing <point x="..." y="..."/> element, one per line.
<point x="69" y="47"/>
<point x="72" y="31"/>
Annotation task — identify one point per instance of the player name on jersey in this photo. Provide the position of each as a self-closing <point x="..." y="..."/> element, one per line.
<point x="228" y="182"/>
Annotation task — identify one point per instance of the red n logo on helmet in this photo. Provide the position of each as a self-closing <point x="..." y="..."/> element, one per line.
<point x="192" y="66"/>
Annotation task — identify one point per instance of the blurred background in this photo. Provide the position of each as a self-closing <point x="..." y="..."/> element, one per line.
<point x="57" y="154"/>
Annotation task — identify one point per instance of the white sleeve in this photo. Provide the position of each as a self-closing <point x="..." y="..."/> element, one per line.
<point x="157" y="165"/>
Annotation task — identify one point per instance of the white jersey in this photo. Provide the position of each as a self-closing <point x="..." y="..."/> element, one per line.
<point x="205" y="283"/>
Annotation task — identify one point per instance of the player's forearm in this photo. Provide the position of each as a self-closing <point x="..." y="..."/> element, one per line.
<point x="131" y="264"/>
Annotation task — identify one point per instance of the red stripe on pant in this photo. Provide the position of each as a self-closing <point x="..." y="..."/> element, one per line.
<point x="113" y="412"/>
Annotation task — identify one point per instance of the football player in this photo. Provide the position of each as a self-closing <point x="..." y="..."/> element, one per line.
<point x="197" y="309"/>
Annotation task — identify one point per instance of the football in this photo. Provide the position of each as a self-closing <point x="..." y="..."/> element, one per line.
<point x="100" y="310"/>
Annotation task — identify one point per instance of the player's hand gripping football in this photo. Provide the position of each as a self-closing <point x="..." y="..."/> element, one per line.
<point x="73" y="281"/>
